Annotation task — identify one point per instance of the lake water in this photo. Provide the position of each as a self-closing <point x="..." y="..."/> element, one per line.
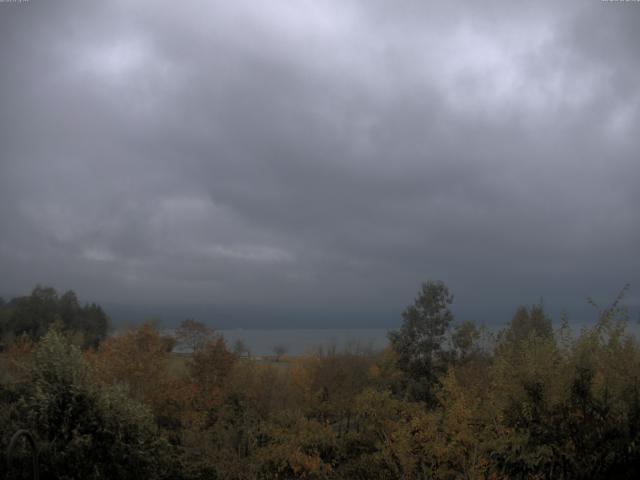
<point x="300" y="341"/>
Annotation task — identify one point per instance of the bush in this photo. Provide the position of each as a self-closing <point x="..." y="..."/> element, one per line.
<point x="84" y="431"/>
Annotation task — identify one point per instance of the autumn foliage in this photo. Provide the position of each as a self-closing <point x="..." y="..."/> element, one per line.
<point x="445" y="400"/>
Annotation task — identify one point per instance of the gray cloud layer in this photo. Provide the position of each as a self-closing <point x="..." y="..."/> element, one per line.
<point x="323" y="157"/>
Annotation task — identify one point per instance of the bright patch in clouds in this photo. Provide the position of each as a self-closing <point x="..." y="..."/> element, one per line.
<point x="114" y="61"/>
<point x="515" y="69"/>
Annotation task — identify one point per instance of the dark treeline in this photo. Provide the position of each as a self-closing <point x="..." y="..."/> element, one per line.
<point x="33" y="316"/>
<point x="446" y="400"/>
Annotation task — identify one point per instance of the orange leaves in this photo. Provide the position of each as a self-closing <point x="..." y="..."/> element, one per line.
<point x="209" y="368"/>
<point x="297" y="446"/>
<point x="194" y="335"/>
<point x="136" y="359"/>
<point x="17" y="355"/>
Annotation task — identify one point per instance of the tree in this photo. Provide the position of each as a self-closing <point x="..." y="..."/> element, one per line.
<point x="529" y="321"/>
<point x="84" y="430"/>
<point x="35" y="314"/>
<point x="136" y="359"/>
<point x="279" y="351"/>
<point x="419" y="341"/>
<point x="193" y="334"/>
<point x="293" y="446"/>
<point x="464" y="340"/>
<point x="93" y="322"/>
<point x="169" y="342"/>
<point x="240" y="348"/>
<point x="209" y="368"/>
<point x="329" y="383"/>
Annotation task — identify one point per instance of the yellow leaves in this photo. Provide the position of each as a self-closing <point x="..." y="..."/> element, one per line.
<point x="302" y="375"/>
<point x="457" y="430"/>
<point x="385" y="372"/>
<point x="377" y="407"/>
<point x="326" y="385"/>
<point x="458" y="410"/>
<point x="535" y="360"/>
<point x="612" y="355"/>
<point x="296" y="447"/>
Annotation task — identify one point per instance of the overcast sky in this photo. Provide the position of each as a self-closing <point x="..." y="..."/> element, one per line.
<point x="315" y="161"/>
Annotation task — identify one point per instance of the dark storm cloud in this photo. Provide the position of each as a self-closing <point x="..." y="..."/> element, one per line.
<point x="326" y="156"/>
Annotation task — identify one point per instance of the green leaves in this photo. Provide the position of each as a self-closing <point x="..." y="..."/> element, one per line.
<point x="86" y="430"/>
<point x="419" y="342"/>
<point x="34" y="315"/>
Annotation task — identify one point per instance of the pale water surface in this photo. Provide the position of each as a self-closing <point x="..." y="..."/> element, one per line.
<point x="300" y="341"/>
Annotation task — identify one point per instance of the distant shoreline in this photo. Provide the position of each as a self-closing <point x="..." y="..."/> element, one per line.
<point x="261" y="342"/>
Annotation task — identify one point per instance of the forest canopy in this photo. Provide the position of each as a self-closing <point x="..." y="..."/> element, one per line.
<point x="446" y="400"/>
